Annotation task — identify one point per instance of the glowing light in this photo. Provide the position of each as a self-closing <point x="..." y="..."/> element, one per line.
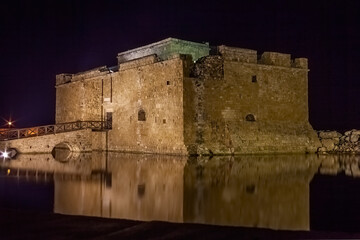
<point x="10" y="123"/>
<point x="5" y="154"/>
<point x="8" y="171"/>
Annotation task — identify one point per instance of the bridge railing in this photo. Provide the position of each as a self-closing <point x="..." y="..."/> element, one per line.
<point x="52" y="129"/>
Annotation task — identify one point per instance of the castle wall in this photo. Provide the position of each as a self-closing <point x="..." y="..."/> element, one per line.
<point x="233" y="102"/>
<point x="157" y="89"/>
<point x="80" y="97"/>
<point x="250" y="108"/>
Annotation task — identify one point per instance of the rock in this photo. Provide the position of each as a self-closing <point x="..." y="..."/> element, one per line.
<point x="357" y="149"/>
<point x="322" y="150"/>
<point x="347" y="133"/>
<point x="357" y="132"/>
<point x="329" y="134"/>
<point x="354" y="138"/>
<point x="329" y="144"/>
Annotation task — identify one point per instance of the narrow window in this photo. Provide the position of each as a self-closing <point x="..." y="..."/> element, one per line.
<point x="141" y="115"/>
<point x="164" y="121"/>
<point x="108" y="120"/>
<point x="250" y="118"/>
<point x="167" y="82"/>
<point x="254" y="79"/>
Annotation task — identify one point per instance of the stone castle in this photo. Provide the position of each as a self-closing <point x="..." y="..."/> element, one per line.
<point x="182" y="97"/>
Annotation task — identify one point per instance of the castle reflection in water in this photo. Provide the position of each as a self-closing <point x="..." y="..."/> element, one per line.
<point x="268" y="191"/>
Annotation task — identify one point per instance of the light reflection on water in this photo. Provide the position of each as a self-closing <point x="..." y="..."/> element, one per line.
<point x="268" y="191"/>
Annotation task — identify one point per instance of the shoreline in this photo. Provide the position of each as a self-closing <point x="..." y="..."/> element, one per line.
<point x="18" y="224"/>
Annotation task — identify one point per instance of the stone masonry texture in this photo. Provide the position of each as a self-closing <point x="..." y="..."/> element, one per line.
<point x="175" y="97"/>
<point x="76" y="141"/>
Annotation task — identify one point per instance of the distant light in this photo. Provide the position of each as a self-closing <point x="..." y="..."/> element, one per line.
<point x="5" y="154"/>
<point x="10" y="123"/>
<point x="8" y="171"/>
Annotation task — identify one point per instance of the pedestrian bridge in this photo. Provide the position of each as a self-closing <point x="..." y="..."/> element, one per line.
<point x="81" y="136"/>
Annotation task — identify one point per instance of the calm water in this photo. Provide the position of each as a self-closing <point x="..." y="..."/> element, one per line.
<point x="296" y="192"/>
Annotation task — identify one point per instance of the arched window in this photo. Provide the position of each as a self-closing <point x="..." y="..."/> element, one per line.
<point x="141" y="115"/>
<point x="250" y="118"/>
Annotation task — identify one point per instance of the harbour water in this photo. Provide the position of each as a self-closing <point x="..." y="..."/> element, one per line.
<point x="286" y="192"/>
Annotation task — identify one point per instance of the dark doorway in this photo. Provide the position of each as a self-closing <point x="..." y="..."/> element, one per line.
<point x="108" y="120"/>
<point x="141" y="115"/>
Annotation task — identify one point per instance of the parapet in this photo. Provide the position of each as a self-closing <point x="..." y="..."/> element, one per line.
<point x="283" y="60"/>
<point x="165" y="49"/>
<point x="275" y="58"/>
<point x="63" y="78"/>
<point x="95" y="72"/>
<point x="237" y="54"/>
<point x="138" y="62"/>
<point x="300" y="63"/>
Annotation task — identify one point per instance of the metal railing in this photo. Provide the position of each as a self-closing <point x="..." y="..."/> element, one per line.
<point x="52" y="129"/>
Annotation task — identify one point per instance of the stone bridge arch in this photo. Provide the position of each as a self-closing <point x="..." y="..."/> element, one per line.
<point x="70" y="146"/>
<point x="76" y="141"/>
<point x="65" y="151"/>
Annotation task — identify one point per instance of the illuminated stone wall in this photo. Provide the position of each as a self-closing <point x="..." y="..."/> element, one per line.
<point x="245" y="105"/>
<point x="78" y="96"/>
<point x="77" y="141"/>
<point x="156" y="90"/>
<point x="230" y="102"/>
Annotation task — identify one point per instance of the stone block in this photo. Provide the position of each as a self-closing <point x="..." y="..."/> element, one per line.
<point x="238" y="54"/>
<point x="276" y="59"/>
<point x="329" y="134"/>
<point x="301" y="63"/>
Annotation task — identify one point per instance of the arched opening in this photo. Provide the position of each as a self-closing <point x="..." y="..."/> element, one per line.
<point x="250" y="118"/>
<point x="64" y="152"/>
<point x="141" y="115"/>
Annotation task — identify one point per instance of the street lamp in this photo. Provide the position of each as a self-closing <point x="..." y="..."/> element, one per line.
<point x="10" y="123"/>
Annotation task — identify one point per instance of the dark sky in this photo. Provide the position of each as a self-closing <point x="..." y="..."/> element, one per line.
<point x="39" y="39"/>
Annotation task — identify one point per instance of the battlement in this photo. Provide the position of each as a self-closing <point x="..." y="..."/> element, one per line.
<point x="267" y="58"/>
<point x="95" y="72"/>
<point x="165" y="49"/>
<point x="282" y="60"/>
<point x="237" y="54"/>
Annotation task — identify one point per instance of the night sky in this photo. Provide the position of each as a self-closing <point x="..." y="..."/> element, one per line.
<point x="39" y="39"/>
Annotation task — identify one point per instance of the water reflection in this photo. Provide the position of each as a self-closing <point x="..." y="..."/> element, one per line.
<point x="270" y="191"/>
<point x="142" y="187"/>
<point x="344" y="163"/>
<point x="257" y="191"/>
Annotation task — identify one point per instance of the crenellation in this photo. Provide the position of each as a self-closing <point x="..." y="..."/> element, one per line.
<point x="238" y="54"/>
<point x="300" y="63"/>
<point x="276" y="59"/>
